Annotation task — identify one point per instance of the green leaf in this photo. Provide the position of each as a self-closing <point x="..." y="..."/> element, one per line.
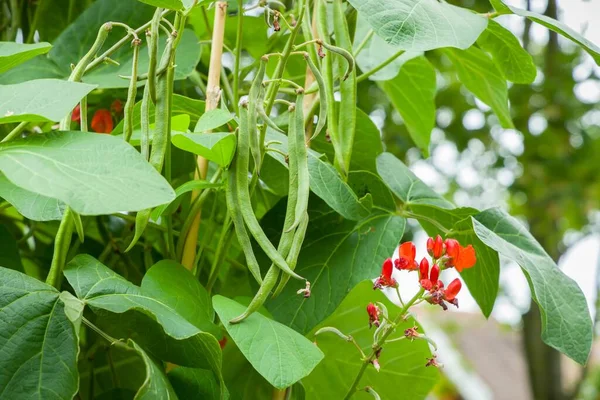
<point x="31" y="205"/>
<point x="38" y="341"/>
<point x="336" y="256"/>
<point x="171" y="4"/>
<point x="366" y="182"/>
<point x="85" y="171"/>
<point x="107" y="76"/>
<point x="376" y="51"/>
<point x="156" y="386"/>
<point x="213" y="119"/>
<point x="566" y="322"/>
<point x="402" y="362"/>
<point x="278" y="353"/>
<point x="367" y="143"/>
<point x="152" y="322"/>
<point x="412" y="93"/>
<point x="9" y="250"/>
<point x="552" y="24"/>
<point x="421" y="26"/>
<point x="438" y="216"/>
<point x="13" y="54"/>
<point x="177" y="287"/>
<point x="481" y="76"/>
<point x="181" y="190"/>
<point x="325" y="181"/>
<point x="513" y="60"/>
<point x="218" y="147"/>
<point x="40" y="100"/>
<point x="194" y="383"/>
<point x="180" y="105"/>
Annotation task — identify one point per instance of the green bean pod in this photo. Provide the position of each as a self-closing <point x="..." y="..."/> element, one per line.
<point x="263" y="114"/>
<point x="292" y="257"/>
<point x="297" y="150"/>
<point x="231" y="194"/>
<point x="131" y="93"/>
<point x="78" y="225"/>
<point x="254" y="98"/>
<point x="261" y="295"/>
<point x="344" y="53"/>
<point x="322" y="96"/>
<point x="145" y="123"/>
<point x="244" y="202"/>
<point x="153" y="53"/>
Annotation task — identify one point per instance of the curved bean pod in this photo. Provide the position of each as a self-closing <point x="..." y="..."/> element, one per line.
<point x="254" y="98"/>
<point x="322" y="96"/>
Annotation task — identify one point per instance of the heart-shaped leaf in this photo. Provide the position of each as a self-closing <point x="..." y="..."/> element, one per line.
<point x="277" y="352"/>
<point x="40" y="100"/>
<point x="13" y="54"/>
<point x="93" y="174"/>
<point x="218" y="147"/>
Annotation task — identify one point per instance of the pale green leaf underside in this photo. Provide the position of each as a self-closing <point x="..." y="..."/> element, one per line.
<point x="280" y="354"/>
<point x="412" y="93"/>
<point x="218" y="147"/>
<point x="13" y="54"/>
<point x="31" y="205"/>
<point x="421" y="25"/>
<point x="40" y="100"/>
<point x="566" y="322"/>
<point x="93" y="174"/>
<point x="212" y="120"/>
<point x="38" y="345"/>
<point x="156" y="386"/>
<point x="402" y="362"/>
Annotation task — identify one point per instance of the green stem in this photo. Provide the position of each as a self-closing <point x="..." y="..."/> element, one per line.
<point x="380" y="342"/>
<point x="367" y="74"/>
<point x="34" y="23"/>
<point x="15" y="132"/>
<point x="238" y="55"/>
<point x="61" y="248"/>
<point x="364" y="42"/>
<point x="83" y="109"/>
<point x="15" y="18"/>
<point x="222" y="246"/>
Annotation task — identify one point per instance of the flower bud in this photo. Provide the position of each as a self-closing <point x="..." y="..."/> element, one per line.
<point x="434" y="274"/>
<point x="438" y="247"/>
<point x="424" y="269"/>
<point x="452" y="248"/>
<point x="452" y="290"/>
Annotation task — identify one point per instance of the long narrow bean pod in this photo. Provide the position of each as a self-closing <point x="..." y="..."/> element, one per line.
<point x="131" y="93"/>
<point x="231" y="194"/>
<point x="145" y="123"/>
<point x="285" y="242"/>
<point x="153" y="53"/>
<point x="297" y="150"/>
<point x="292" y="257"/>
<point x="244" y="202"/>
<point x="253" y="103"/>
<point x="322" y="96"/>
<point x="348" y="89"/>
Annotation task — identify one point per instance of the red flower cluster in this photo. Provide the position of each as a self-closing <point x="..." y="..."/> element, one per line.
<point x="438" y="294"/>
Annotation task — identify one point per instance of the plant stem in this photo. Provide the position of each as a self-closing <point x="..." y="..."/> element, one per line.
<point x="380" y="343"/>
<point x="238" y="55"/>
<point x="61" y="248"/>
<point x="83" y="109"/>
<point x="15" y="132"/>
<point x="364" y="42"/>
<point x="367" y="74"/>
<point x="212" y="102"/>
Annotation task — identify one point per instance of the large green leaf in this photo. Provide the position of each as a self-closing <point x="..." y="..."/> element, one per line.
<point x="551" y="24"/>
<point x="172" y="4"/>
<point x="31" y="205"/>
<point x="422" y="25"/>
<point x="566" y="322"/>
<point x="402" y="362"/>
<point x="277" y="352"/>
<point x="326" y="182"/>
<point x="438" y="216"/>
<point x="9" y="250"/>
<point x="38" y="341"/>
<point x="218" y="147"/>
<point x="92" y="173"/>
<point x="412" y="93"/>
<point x="481" y="76"/>
<point x="194" y="383"/>
<point x="40" y="100"/>
<point x="156" y="386"/>
<point x="212" y="120"/>
<point x="336" y="255"/>
<point x="512" y="59"/>
<point x="13" y="54"/>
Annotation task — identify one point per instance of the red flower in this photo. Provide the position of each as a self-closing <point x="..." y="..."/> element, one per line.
<point x="76" y="114"/>
<point x="102" y="121"/>
<point x="406" y="259"/>
<point x="458" y="256"/>
<point x="430" y="280"/>
<point x="385" y="279"/>
<point x="435" y="248"/>
<point x="452" y="290"/>
<point x="117" y="106"/>
<point x="438" y="294"/>
<point x="373" y="312"/>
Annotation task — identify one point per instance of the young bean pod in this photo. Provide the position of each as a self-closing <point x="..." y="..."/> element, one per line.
<point x="244" y="202"/>
<point x="131" y="93"/>
<point x="322" y="96"/>
<point x="153" y="53"/>
<point x="344" y="53"/>
<point x="254" y="98"/>
<point x="145" y="123"/>
<point x="292" y="257"/>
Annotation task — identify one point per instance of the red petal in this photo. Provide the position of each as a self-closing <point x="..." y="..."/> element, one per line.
<point x="76" y="115"/>
<point x="424" y="269"/>
<point x="408" y="250"/>
<point x="452" y="248"/>
<point x="388" y="267"/>
<point x="102" y="121"/>
<point x="435" y="273"/>
<point x="466" y="258"/>
<point x="452" y="289"/>
<point x="438" y="247"/>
